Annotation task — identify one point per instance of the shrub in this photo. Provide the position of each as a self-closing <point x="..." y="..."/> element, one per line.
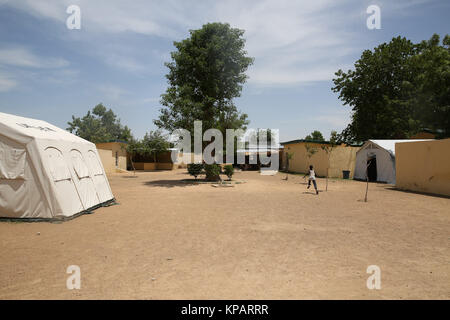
<point x="195" y="169"/>
<point x="212" y="172"/>
<point x="228" y="170"/>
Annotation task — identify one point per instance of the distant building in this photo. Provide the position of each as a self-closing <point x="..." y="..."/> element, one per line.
<point x="341" y="158"/>
<point x="113" y="155"/>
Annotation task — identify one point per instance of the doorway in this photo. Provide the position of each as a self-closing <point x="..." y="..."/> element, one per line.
<point x="372" y="169"/>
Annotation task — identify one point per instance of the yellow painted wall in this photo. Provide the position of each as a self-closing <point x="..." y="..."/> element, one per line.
<point x="341" y="158"/>
<point x="423" y="166"/>
<point x="109" y="158"/>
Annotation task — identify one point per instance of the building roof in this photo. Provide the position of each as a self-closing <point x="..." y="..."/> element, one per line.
<point x="304" y="140"/>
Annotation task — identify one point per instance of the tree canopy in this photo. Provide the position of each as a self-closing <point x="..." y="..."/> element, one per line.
<point x="101" y="125"/>
<point x="316" y="135"/>
<point x="153" y="143"/>
<point x="397" y="89"/>
<point x="206" y="73"/>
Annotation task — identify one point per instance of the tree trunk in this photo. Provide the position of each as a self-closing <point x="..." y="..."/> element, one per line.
<point x="132" y="164"/>
<point x="367" y="181"/>
<point x="367" y="189"/>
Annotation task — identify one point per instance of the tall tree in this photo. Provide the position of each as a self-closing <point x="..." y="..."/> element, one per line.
<point x="433" y="82"/>
<point x="206" y="73"/>
<point x="315" y="136"/>
<point x="101" y="125"/>
<point x="396" y="90"/>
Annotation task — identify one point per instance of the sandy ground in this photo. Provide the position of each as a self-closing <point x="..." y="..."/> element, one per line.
<point x="264" y="239"/>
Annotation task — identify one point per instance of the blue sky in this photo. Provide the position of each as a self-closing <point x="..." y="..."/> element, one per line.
<point x="117" y="57"/>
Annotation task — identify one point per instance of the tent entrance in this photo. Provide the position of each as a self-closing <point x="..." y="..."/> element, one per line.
<point x="372" y="169"/>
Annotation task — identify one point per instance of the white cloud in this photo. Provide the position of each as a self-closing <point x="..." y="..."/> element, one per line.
<point x="293" y="41"/>
<point x="21" y="57"/>
<point x="6" y="83"/>
<point x="112" y="91"/>
<point x="334" y="119"/>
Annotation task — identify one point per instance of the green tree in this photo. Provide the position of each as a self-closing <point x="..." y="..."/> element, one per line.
<point x="315" y="136"/>
<point x="433" y="85"/>
<point x="334" y="137"/>
<point x="259" y="134"/>
<point x="152" y="144"/>
<point x="101" y="125"/>
<point x="206" y="73"/>
<point x="310" y="151"/>
<point x="195" y="169"/>
<point x="397" y="89"/>
<point x="328" y="148"/>
<point x="289" y="156"/>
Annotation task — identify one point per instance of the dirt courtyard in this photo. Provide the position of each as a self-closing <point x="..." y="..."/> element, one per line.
<point x="266" y="238"/>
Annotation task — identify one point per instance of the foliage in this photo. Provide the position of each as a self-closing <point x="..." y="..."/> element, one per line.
<point x="195" y="169"/>
<point x="259" y="134"/>
<point x="289" y="156"/>
<point x="328" y="148"/>
<point x="334" y="137"/>
<point x="212" y="171"/>
<point x="315" y="136"/>
<point x="310" y="150"/>
<point x="397" y="89"/>
<point x="152" y="144"/>
<point x="229" y="170"/>
<point x="206" y="73"/>
<point x="101" y="125"/>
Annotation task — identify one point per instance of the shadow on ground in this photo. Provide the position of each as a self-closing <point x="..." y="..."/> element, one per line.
<point x="390" y="187"/>
<point x="171" y="183"/>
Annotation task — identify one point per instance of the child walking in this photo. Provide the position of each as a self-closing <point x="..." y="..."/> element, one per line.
<point x="312" y="177"/>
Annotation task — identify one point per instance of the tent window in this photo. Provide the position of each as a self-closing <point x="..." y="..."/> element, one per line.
<point x="78" y="164"/>
<point x="12" y="162"/>
<point x="94" y="164"/>
<point x="57" y="165"/>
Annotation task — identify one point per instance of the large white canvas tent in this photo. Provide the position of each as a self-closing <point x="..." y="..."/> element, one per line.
<point x="47" y="172"/>
<point x="376" y="159"/>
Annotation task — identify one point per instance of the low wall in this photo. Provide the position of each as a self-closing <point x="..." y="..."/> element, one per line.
<point x="154" y="166"/>
<point x="423" y="166"/>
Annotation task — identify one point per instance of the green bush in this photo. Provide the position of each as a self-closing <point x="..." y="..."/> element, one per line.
<point x="212" y="172"/>
<point x="195" y="169"/>
<point x="228" y="170"/>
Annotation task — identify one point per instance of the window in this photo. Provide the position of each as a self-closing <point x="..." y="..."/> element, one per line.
<point x="57" y="165"/>
<point x="12" y="161"/>
<point x="94" y="163"/>
<point x="79" y="165"/>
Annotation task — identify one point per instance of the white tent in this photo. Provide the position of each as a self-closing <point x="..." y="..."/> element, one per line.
<point x="376" y="158"/>
<point x="47" y="172"/>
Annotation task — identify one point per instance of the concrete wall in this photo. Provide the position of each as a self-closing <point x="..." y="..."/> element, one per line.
<point x="423" y="166"/>
<point x="341" y="158"/>
<point x="154" y="166"/>
<point x="112" y="151"/>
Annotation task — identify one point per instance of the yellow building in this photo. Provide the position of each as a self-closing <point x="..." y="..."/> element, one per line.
<point x="423" y="166"/>
<point x="113" y="155"/>
<point x="305" y="153"/>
